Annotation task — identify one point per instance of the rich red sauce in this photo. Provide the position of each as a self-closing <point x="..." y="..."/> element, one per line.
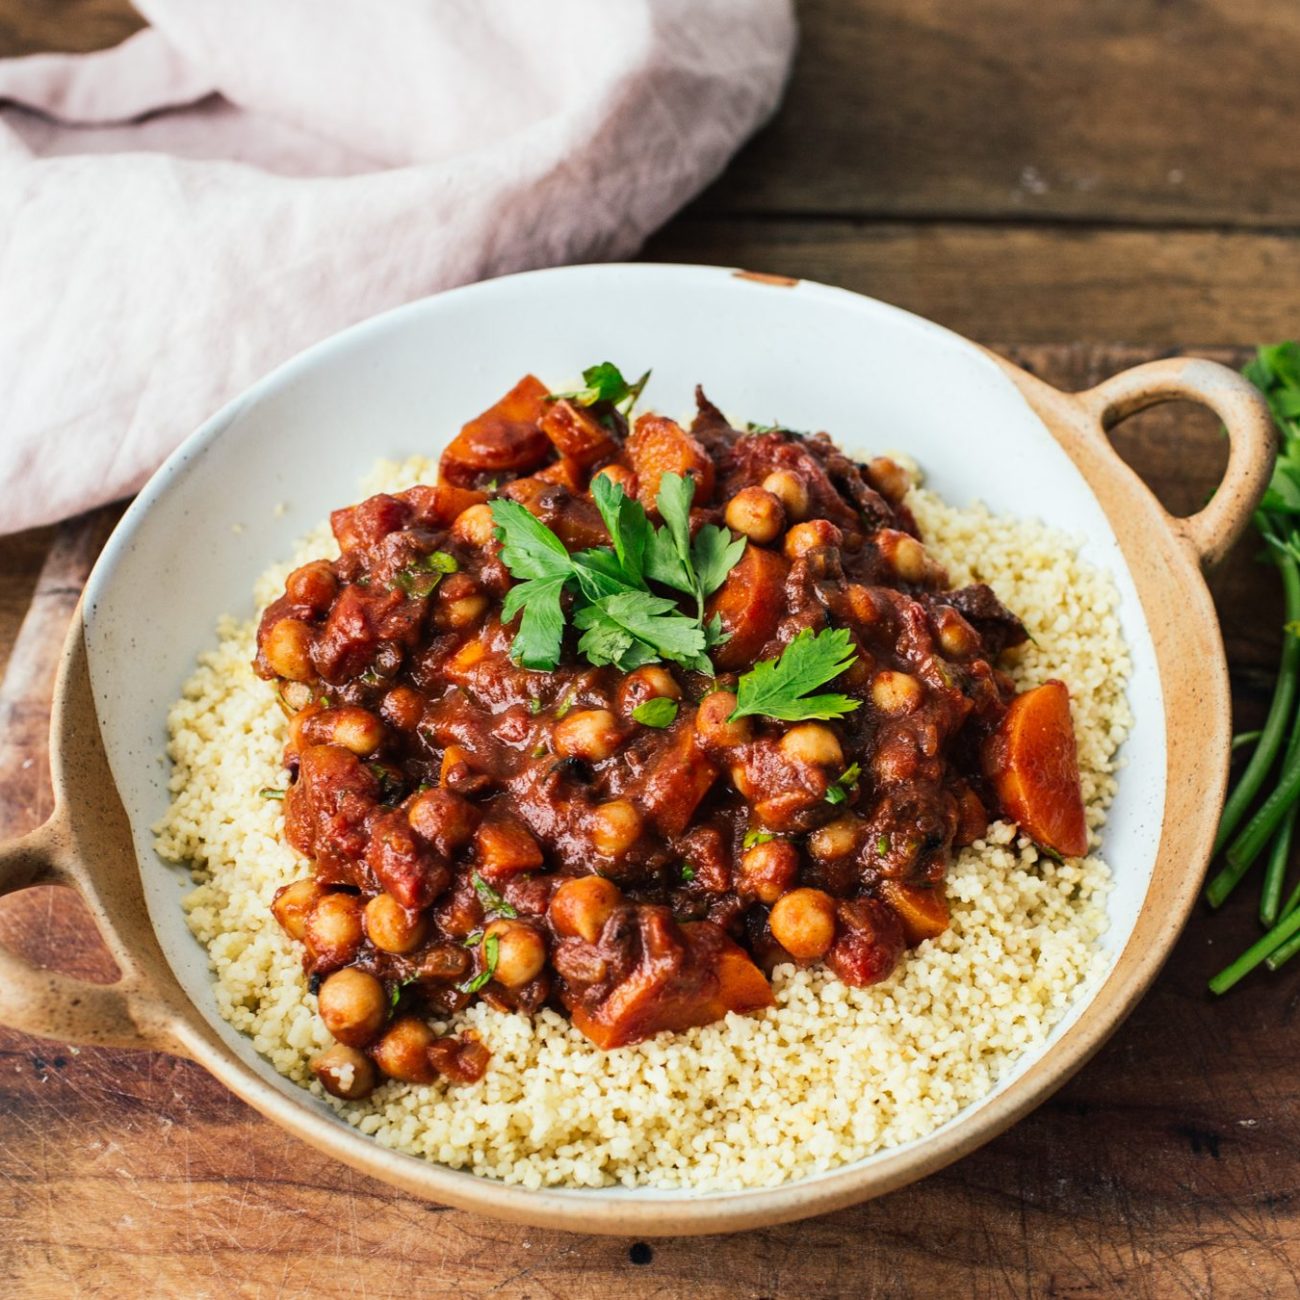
<point x="480" y="830"/>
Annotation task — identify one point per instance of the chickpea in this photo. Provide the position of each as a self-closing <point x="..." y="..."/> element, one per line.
<point x="904" y="554"/>
<point x="615" y="827"/>
<point x="592" y="734"/>
<point x="807" y="536"/>
<point x="444" y="818"/>
<point x="740" y="779"/>
<point x="353" y="1006"/>
<point x="333" y="931"/>
<point x="649" y="683"/>
<point x="895" y="693"/>
<point x="390" y="927"/>
<point x="956" y="636"/>
<point x="345" y="1072"/>
<point x="803" y="923"/>
<point x="814" y="744"/>
<point x="768" y="870"/>
<point x="287" y="649"/>
<point x="889" y="478"/>
<point x="791" y="491"/>
<point x="460" y="602"/>
<point x="354" y="728"/>
<point x="619" y="474"/>
<point x="403" y="1052"/>
<point x="580" y="907"/>
<point x="711" y="722"/>
<point x="292" y="905"/>
<point x="475" y="525"/>
<point x="757" y="513"/>
<point x="521" y="952"/>
<point x="402" y="708"/>
<point x="314" y="585"/>
<point x="836" y="839"/>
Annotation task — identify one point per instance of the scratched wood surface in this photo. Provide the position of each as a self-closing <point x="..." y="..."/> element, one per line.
<point x="1098" y="181"/>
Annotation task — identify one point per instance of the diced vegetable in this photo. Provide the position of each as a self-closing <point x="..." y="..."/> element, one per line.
<point x="923" y="911"/>
<point x="659" y="446"/>
<point x="750" y="604"/>
<point x="674" y="989"/>
<point x="1034" y="766"/>
<point x="506" y="438"/>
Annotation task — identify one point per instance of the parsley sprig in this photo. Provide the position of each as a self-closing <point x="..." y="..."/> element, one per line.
<point x="780" y="688"/>
<point x="623" y="621"/>
<point x="605" y="383"/>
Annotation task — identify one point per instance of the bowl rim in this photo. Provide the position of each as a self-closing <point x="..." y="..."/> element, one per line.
<point x="165" y="1017"/>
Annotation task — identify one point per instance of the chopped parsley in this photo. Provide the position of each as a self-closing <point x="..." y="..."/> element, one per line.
<point x="622" y="620"/>
<point x="780" y="688"/>
<point x="688" y="872"/>
<point x="492" y="902"/>
<point x="491" y="951"/>
<point x="269" y="792"/>
<point x="421" y="577"/>
<point x="395" y="995"/>
<point x="882" y="844"/>
<point x="843" y="784"/>
<point x="757" y="837"/>
<point x="658" y="712"/>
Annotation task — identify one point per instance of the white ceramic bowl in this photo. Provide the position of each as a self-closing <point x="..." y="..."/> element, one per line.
<point x="278" y="459"/>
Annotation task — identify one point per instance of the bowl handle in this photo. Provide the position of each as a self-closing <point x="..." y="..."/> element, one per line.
<point x="1252" y="439"/>
<point x="48" y="1003"/>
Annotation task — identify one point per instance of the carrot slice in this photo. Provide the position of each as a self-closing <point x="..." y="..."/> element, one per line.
<point x="750" y="603"/>
<point x="1034" y="766"/>
<point x="506" y="437"/>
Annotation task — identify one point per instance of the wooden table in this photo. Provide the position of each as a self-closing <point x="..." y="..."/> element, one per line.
<point x="1085" y="183"/>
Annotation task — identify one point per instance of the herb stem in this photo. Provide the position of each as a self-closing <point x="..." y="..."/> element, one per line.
<point x="1259" y="830"/>
<point x="1279" y="712"/>
<point x="1279" y="855"/>
<point x="1256" y="953"/>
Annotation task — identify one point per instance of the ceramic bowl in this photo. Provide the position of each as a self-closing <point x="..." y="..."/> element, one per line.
<point x="277" y="459"/>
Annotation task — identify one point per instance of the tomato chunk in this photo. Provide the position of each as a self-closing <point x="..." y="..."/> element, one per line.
<point x="1034" y="766"/>
<point x="506" y="437"/>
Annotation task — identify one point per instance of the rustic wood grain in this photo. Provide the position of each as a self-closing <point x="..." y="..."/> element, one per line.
<point x="1143" y="111"/>
<point x="1029" y="283"/>
<point x="1169" y="1167"/>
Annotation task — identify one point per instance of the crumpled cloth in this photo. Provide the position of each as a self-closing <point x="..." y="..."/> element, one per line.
<point x="184" y="211"/>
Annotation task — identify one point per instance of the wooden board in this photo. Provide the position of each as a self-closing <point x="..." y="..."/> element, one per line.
<point x="1169" y="1166"/>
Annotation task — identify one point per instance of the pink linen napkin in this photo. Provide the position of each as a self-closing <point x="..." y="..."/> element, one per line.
<point x="183" y="212"/>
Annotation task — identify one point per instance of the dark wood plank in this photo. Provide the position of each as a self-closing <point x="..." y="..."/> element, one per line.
<point x="1152" y="111"/>
<point x="35" y="26"/>
<point x="1169" y="1167"/>
<point x="1031" y="284"/>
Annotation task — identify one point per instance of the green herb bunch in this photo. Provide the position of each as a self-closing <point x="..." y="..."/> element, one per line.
<point x="1275" y="749"/>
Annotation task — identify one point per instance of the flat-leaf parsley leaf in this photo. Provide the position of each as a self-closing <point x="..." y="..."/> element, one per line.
<point x="779" y="688"/>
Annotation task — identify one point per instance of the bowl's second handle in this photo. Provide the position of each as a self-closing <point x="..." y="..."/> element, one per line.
<point x="48" y="1002"/>
<point x="1251" y="434"/>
